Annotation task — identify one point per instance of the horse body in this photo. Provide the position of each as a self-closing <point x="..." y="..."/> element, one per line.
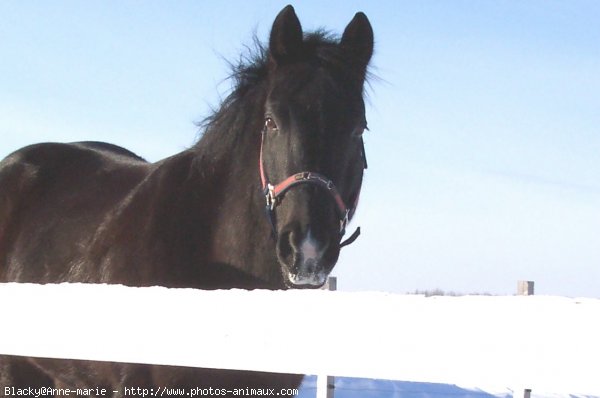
<point x="58" y="196"/>
<point x="94" y="214"/>
<point x="97" y="213"/>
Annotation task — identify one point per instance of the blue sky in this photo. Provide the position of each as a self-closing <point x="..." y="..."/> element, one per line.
<point x="484" y="116"/>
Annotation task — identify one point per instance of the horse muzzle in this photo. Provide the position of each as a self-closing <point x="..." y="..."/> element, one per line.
<point x="305" y="261"/>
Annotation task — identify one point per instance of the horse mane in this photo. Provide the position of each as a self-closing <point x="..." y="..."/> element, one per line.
<point x="240" y="113"/>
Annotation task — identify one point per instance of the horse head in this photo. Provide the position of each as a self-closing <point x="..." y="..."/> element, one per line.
<point x="312" y="154"/>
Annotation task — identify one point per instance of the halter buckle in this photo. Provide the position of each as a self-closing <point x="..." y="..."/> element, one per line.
<point x="270" y="197"/>
<point x="305" y="175"/>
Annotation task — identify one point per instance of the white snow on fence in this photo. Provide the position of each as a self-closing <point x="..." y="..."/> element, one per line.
<point x="545" y="343"/>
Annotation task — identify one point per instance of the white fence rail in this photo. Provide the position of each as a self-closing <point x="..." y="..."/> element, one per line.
<point x="542" y="343"/>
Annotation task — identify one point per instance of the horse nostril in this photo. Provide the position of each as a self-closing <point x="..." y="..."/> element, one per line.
<point x="285" y="250"/>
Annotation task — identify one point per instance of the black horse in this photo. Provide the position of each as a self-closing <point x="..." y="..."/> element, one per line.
<point x="288" y="139"/>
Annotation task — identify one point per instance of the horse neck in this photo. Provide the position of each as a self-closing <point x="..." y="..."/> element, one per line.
<point x="241" y="234"/>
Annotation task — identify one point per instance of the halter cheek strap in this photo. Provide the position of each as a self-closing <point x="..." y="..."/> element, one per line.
<point x="274" y="194"/>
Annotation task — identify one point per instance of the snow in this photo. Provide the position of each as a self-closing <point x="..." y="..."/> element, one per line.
<point x="497" y="345"/>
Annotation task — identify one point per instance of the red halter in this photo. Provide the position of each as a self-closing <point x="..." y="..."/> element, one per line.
<point x="274" y="193"/>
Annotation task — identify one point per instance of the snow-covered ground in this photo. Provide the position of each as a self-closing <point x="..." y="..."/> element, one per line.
<point x="478" y="344"/>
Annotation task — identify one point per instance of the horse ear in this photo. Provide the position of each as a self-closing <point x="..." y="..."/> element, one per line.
<point x="358" y="39"/>
<point x="285" y="42"/>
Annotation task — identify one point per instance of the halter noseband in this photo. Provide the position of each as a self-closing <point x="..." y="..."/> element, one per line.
<point x="274" y="194"/>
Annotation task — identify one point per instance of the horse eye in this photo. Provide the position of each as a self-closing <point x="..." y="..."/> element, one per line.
<point x="270" y="124"/>
<point x="359" y="131"/>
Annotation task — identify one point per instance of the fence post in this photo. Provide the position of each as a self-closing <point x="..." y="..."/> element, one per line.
<point x="525" y="288"/>
<point x="326" y="384"/>
<point x="330" y="284"/>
